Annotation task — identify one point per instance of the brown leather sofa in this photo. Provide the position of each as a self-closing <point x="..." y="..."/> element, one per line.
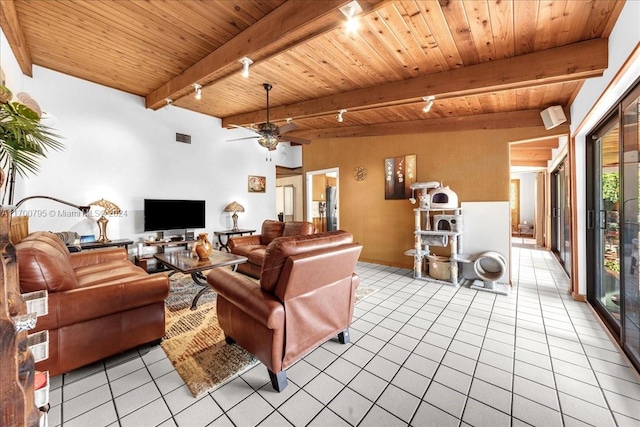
<point x="254" y="247"/>
<point x="100" y="303"/>
<point x="305" y="296"/>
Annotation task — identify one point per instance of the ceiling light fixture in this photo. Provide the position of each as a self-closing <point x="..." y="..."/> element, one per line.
<point x="351" y="11"/>
<point x="198" y="88"/>
<point x="169" y="101"/>
<point x="340" y="113"/>
<point x="245" y="66"/>
<point x="429" y="100"/>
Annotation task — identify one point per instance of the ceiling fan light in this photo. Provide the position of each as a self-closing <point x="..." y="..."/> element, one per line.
<point x="270" y="142"/>
<point x="245" y="66"/>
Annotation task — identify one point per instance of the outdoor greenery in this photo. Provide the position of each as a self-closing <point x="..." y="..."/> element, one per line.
<point x="611" y="187"/>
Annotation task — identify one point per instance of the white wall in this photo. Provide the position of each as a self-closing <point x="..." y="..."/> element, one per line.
<point x="527" y="196"/>
<point x="117" y="149"/>
<point x="599" y="95"/>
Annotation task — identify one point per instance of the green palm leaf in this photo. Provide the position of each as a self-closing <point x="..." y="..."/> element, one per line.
<point x="24" y="141"/>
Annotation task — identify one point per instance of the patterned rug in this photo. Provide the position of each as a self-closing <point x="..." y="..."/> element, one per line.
<point x="194" y="341"/>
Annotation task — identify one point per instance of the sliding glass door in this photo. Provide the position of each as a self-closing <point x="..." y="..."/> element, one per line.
<point x="561" y="216"/>
<point x="606" y="251"/>
<point x="613" y="240"/>
<point x="631" y="214"/>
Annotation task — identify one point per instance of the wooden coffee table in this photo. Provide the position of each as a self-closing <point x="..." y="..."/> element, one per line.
<point x="186" y="262"/>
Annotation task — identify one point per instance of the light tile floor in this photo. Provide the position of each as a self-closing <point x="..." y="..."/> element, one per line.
<point x="422" y="354"/>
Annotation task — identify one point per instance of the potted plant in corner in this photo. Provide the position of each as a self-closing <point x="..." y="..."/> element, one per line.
<point x="24" y="140"/>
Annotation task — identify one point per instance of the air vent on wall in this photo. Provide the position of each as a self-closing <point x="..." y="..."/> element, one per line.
<point x="181" y="137"/>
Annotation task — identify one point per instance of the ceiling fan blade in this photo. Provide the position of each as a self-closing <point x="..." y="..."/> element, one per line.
<point x="240" y="139"/>
<point x="294" y="139"/>
<point x="288" y="128"/>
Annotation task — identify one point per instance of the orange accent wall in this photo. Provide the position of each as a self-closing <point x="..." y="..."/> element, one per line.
<point x="475" y="164"/>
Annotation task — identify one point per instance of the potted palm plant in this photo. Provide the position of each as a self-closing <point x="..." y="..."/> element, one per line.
<point x="24" y="140"/>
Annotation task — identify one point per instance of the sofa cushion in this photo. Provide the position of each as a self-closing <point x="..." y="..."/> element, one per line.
<point x="43" y="262"/>
<point x="280" y="249"/>
<point x="294" y="228"/>
<point x="254" y="253"/>
<point x="113" y="272"/>
<point x="270" y="230"/>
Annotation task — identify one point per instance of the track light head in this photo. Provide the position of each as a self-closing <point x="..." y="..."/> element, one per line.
<point x="340" y="113"/>
<point x="245" y="66"/>
<point x="429" y="103"/>
<point x="351" y="11"/>
<point x="198" y="88"/>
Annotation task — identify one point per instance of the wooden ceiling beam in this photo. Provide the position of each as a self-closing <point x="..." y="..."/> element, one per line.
<point x="13" y="31"/>
<point x="291" y="24"/>
<point x="573" y="62"/>
<point x="532" y="154"/>
<point x="516" y="119"/>
<point x="544" y="143"/>
<point x="532" y="163"/>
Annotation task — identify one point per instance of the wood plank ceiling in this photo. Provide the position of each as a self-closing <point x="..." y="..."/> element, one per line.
<point x="488" y="63"/>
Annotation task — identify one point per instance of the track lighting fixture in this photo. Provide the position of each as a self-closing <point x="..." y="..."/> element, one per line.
<point x="429" y="103"/>
<point x="198" y="88"/>
<point x="245" y="66"/>
<point x="340" y="113"/>
<point x="351" y="11"/>
<point x="169" y="101"/>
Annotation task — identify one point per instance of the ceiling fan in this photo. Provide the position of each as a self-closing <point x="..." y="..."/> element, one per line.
<point x="269" y="134"/>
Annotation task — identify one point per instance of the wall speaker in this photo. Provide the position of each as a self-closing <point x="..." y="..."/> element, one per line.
<point x="553" y="116"/>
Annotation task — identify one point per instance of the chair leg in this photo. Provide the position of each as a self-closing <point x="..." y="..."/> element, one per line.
<point x="279" y="380"/>
<point x="343" y="336"/>
<point x="229" y="340"/>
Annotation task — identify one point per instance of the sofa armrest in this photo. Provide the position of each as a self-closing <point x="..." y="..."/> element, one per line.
<point x="84" y="258"/>
<point x="253" y="239"/>
<point x="91" y="302"/>
<point x="245" y="293"/>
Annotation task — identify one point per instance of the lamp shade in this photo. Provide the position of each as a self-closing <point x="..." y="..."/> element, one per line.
<point x="234" y="207"/>
<point x="110" y="208"/>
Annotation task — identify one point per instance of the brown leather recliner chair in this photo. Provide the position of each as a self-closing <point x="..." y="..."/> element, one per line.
<point x="254" y="247"/>
<point x="305" y="296"/>
<point x="100" y="303"/>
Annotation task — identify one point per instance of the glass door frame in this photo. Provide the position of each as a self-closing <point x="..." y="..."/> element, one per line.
<point x="561" y="231"/>
<point x="594" y="219"/>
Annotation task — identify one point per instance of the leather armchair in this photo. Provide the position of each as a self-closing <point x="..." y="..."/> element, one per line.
<point x="254" y="247"/>
<point x="100" y="303"/>
<point x="305" y="296"/>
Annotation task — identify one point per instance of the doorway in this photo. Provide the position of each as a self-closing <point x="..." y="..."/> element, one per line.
<point x="514" y="202"/>
<point x="322" y="199"/>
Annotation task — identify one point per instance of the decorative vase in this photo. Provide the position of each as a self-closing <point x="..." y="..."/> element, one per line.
<point x="203" y="247"/>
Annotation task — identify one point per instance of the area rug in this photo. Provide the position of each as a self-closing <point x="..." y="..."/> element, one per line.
<point x="194" y="341"/>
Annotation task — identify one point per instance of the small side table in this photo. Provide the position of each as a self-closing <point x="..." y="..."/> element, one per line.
<point x="229" y="233"/>
<point x="112" y="243"/>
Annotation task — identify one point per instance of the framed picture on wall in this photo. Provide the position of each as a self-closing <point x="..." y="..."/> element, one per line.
<point x="257" y="184"/>
<point x="399" y="174"/>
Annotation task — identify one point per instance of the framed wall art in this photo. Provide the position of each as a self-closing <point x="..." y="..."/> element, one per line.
<point x="257" y="184"/>
<point x="399" y="174"/>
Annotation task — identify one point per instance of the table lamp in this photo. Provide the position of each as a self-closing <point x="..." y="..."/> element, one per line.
<point x="109" y="209"/>
<point x="234" y="207"/>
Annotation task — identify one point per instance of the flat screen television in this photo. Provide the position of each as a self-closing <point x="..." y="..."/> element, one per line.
<point x="163" y="214"/>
